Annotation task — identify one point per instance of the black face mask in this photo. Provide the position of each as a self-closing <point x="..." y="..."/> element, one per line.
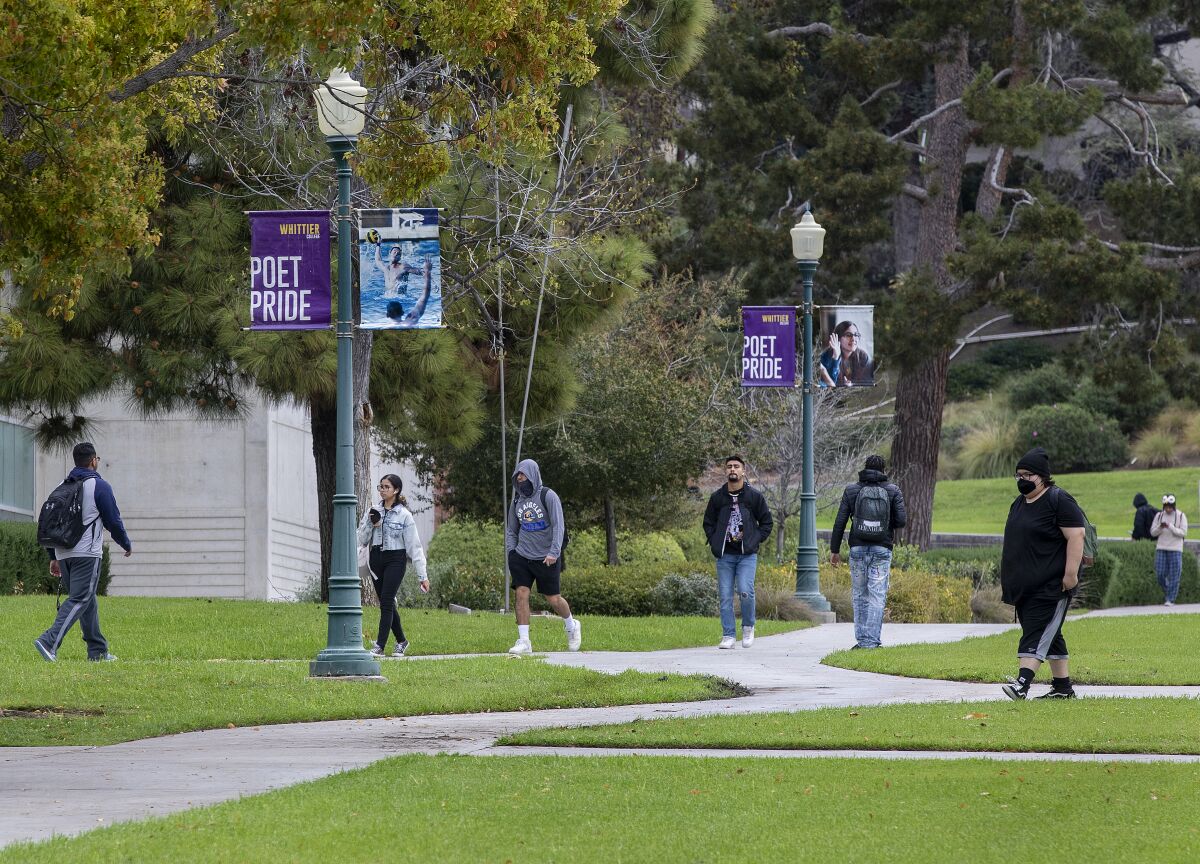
<point x="1025" y="486"/>
<point x="525" y="487"/>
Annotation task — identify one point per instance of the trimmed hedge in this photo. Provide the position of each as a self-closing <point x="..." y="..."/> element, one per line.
<point x="1134" y="582"/>
<point x="24" y="566"/>
<point x="1075" y="438"/>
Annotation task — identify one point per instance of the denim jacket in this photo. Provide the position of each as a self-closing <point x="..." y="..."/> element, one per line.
<point x="397" y="530"/>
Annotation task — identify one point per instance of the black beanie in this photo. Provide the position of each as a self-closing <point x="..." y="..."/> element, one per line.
<point x="1036" y="461"/>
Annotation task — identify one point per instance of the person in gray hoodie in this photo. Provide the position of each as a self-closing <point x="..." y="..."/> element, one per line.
<point x="534" y="541"/>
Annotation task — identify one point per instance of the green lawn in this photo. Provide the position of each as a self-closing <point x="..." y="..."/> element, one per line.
<point x="196" y="664"/>
<point x="1159" y="725"/>
<point x="1139" y="649"/>
<point x="981" y="506"/>
<point x="150" y="628"/>
<point x="632" y="809"/>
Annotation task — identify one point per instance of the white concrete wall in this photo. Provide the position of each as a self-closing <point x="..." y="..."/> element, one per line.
<point x="214" y="509"/>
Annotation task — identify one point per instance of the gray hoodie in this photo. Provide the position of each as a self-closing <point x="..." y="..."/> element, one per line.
<point x="533" y="532"/>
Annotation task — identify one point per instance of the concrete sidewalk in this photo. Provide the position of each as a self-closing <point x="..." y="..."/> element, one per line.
<point x="68" y="790"/>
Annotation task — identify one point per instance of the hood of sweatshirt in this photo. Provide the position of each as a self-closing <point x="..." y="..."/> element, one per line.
<point x="530" y="469"/>
<point x="870" y="475"/>
<point x="82" y="474"/>
<point x="1139" y="500"/>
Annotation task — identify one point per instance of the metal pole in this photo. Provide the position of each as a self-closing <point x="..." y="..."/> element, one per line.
<point x="808" y="576"/>
<point x="344" y="654"/>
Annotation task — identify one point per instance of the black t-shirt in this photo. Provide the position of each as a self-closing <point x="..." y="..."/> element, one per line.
<point x="1035" y="550"/>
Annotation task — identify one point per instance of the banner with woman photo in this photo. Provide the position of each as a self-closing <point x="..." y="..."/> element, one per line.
<point x="846" y="340"/>
<point x="399" y="269"/>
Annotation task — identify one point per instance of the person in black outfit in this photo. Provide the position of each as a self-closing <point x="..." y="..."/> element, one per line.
<point x="1039" y="572"/>
<point x="1143" y="518"/>
<point x="736" y="522"/>
<point x="870" y="549"/>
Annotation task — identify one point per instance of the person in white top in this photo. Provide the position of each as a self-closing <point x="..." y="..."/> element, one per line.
<point x="1170" y="527"/>
<point x="389" y="530"/>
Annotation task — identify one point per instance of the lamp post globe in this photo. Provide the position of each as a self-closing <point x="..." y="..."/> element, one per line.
<point x="340" y="102"/>
<point x="808" y="242"/>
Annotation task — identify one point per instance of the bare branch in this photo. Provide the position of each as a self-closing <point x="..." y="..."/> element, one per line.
<point x="914" y="191"/>
<point x="891" y="85"/>
<point x="941" y="109"/>
<point x="1115" y="91"/>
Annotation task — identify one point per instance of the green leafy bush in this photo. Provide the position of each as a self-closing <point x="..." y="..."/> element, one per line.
<point x="476" y="545"/>
<point x="1133" y="395"/>
<point x="1017" y="354"/>
<point x="914" y="596"/>
<point x="1045" y="386"/>
<point x="1076" y="439"/>
<point x="686" y="594"/>
<point x="970" y="379"/>
<point x="1095" y="580"/>
<point x="1134" y="582"/>
<point x="24" y="565"/>
<point x="691" y="541"/>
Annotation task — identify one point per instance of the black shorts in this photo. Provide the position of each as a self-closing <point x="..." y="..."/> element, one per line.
<point x="1041" y="627"/>
<point x="525" y="573"/>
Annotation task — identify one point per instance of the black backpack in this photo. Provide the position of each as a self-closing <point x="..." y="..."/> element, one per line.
<point x="61" y="521"/>
<point x="562" y="556"/>
<point x="873" y="514"/>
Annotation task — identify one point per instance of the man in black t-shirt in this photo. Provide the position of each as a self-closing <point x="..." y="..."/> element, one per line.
<point x="1039" y="572"/>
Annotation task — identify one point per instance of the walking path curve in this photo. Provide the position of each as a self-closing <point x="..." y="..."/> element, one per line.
<point x="68" y="790"/>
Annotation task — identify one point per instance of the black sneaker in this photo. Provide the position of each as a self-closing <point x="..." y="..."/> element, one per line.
<point x="855" y="647"/>
<point x="1016" y="689"/>
<point x="1058" y="694"/>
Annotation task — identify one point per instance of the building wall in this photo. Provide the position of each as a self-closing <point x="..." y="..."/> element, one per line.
<point x="213" y="509"/>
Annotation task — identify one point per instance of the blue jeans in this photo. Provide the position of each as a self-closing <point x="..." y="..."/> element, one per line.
<point x="733" y="568"/>
<point x="870" y="569"/>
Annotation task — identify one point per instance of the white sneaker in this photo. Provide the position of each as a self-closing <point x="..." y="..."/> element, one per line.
<point x="523" y="646"/>
<point x="1169" y="603"/>
<point x="726" y="642"/>
<point x="575" y="637"/>
<point x="747" y="637"/>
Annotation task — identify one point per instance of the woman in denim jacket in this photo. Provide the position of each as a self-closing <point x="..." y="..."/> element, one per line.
<point x="390" y="531"/>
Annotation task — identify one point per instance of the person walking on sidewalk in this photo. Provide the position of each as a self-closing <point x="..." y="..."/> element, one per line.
<point x="736" y="522"/>
<point x="389" y="530"/>
<point x="79" y="566"/>
<point x="1170" y="527"/>
<point x="1039" y="573"/>
<point x="875" y="509"/>
<point x="534" y="541"/>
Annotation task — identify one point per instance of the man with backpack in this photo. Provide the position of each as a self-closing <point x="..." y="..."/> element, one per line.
<point x="535" y="539"/>
<point x="876" y="509"/>
<point x="736" y="522"/>
<point x="70" y="527"/>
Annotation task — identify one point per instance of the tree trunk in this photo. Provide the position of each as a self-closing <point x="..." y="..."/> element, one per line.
<point x="323" y="421"/>
<point x="610" y="532"/>
<point x="921" y="392"/>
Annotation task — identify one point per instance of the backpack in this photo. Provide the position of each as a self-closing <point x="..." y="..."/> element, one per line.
<point x="1091" y="542"/>
<point x="562" y="552"/>
<point x="873" y="514"/>
<point x="61" y="521"/>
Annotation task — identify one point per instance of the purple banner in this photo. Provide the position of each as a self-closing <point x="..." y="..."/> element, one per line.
<point x="769" y="346"/>
<point x="289" y="270"/>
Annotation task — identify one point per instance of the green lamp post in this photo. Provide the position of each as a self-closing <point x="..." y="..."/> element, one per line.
<point x="340" y="102"/>
<point x="808" y="241"/>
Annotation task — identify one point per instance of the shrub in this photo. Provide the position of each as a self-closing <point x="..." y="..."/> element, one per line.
<point x="477" y="545"/>
<point x="1095" y="581"/>
<point x="1134" y="583"/>
<point x="1135" y="397"/>
<point x="973" y="378"/>
<point x="988" y="608"/>
<point x="989" y="450"/>
<point x="1156" y="449"/>
<point x="781" y="605"/>
<point x="1076" y="439"/>
<point x="590" y="548"/>
<point x="914" y="596"/>
<point x="686" y="594"/>
<point x="1044" y="386"/>
<point x="691" y="541"/>
<point x="24" y="565"/>
<point x="1175" y="419"/>
<point x="450" y="582"/>
<point x="1017" y="354"/>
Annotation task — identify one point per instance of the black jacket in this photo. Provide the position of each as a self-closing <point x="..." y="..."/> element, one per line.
<point x="846" y="510"/>
<point x="1143" y="518"/>
<point x="756" y="519"/>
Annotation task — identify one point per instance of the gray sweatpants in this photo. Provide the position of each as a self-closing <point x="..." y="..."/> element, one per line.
<point x="81" y="576"/>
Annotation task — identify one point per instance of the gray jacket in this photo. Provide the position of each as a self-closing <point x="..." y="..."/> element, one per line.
<point x="533" y="532"/>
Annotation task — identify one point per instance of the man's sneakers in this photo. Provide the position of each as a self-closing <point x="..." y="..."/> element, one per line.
<point x="1058" y="694"/>
<point x="521" y="648"/>
<point x="400" y="648"/>
<point x="103" y="658"/>
<point x="574" y="636"/>
<point x="747" y="637"/>
<point x="1016" y="689"/>
<point x="46" y="653"/>
<point x="726" y="642"/>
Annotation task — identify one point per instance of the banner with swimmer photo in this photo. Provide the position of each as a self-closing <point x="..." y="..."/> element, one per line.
<point x="399" y="269"/>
